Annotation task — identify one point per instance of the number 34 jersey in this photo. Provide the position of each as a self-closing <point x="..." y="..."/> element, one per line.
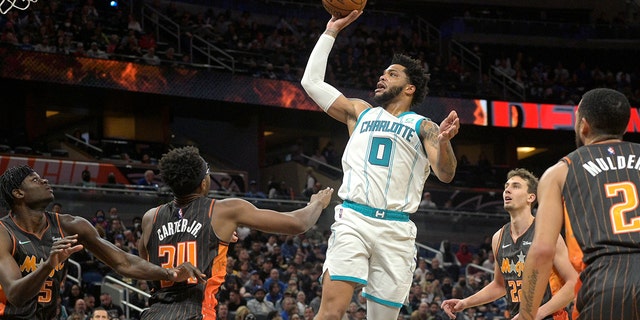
<point x="183" y="234"/>
<point x="385" y="164"/>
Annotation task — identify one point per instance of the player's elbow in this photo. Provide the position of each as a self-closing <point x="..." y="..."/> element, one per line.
<point x="307" y="82"/>
<point x="541" y="253"/>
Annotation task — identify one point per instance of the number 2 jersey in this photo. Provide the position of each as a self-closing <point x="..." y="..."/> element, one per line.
<point x="602" y="226"/>
<point x="30" y="250"/>
<point x="385" y="164"/>
<point x="510" y="257"/>
<point x="180" y="235"/>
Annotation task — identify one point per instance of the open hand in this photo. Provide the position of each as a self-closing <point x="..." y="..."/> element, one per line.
<point x="452" y="306"/>
<point x="449" y="127"/>
<point x="62" y="249"/>
<point x="337" y="24"/>
<point x="324" y="196"/>
<point x="186" y="271"/>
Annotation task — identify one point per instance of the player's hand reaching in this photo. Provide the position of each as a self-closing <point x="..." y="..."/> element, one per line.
<point x="449" y="127"/>
<point x="336" y="24"/>
<point x="62" y="249"/>
<point x="186" y="271"/>
<point x="452" y="306"/>
<point x="324" y="196"/>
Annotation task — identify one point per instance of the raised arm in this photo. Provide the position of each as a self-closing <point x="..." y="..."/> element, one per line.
<point x="543" y="249"/>
<point x="437" y="143"/>
<point x="332" y="101"/>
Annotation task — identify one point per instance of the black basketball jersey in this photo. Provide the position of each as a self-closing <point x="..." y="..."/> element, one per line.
<point x="29" y="250"/>
<point x="510" y="257"/>
<point x="602" y="225"/>
<point x="182" y="234"/>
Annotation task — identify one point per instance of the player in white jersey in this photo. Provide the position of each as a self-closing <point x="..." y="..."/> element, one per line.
<point x="390" y="153"/>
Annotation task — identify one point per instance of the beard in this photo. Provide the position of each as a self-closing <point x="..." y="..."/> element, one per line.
<point x="387" y="96"/>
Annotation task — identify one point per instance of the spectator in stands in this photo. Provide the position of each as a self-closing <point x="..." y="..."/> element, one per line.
<point x="86" y="179"/>
<point x="426" y="202"/>
<point x="89" y="302"/>
<point x="464" y="255"/>
<point x="274" y="277"/>
<point x="422" y="313"/>
<point x="259" y="306"/>
<point x="236" y="300"/>
<point x="223" y="312"/>
<point x="79" y="310"/>
<point x="420" y="274"/>
<point x="116" y="228"/>
<point x="227" y="187"/>
<point x="254" y="192"/>
<point x="447" y="259"/>
<point x="114" y="311"/>
<point x="438" y="270"/>
<point x="275" y="293"/>
<point x="96" y="52"/>
<point x="100" y="314"/>
<point x="289" y="308"/>
<point x="147" y="182"/>
<point x="69" y="301"/>
<point x="151" y="58"/>
<point x="112" y="183"/>
<point x="308" y="188"/>
<point x="99" y="219"/>
<point x="287" y="73"/>
<point x="169" y="58"/>
<point x="490" y="261"/>
<point x="139" y="299"/>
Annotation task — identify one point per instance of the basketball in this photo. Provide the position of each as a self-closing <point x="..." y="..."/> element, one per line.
<point x="342" y="8"/>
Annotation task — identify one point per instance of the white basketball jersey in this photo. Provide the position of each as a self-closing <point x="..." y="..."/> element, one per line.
<point x="385" y="165"/>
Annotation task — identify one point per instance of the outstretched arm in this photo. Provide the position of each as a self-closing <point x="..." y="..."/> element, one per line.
<point x="124" y="263"/>
<point x="543" y="249"/>
<point x="233" y="212"/>
<point x="326" y="96"/>
<point x="437" y="143"/>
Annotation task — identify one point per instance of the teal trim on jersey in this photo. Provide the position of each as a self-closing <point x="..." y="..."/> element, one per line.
<point x="361" y="115"/>
<point x="382" y="301"/>
<point x="418" y="123"/>
<point x="390" y="215"/>
<point x="346" y="278"/>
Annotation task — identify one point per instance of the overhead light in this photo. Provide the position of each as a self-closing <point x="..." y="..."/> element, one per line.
<point x="526" y="149"/>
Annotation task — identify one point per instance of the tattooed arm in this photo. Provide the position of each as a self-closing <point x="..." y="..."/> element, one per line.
<point x="437" y="143"/>
<point x="541" y="254"/>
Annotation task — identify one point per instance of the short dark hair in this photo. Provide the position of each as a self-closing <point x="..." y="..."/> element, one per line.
<point x="182" y="169"/>
<point x="12" y="179"/>
<point x="417" y="76"/>
<point x="606" y="110"/>
<point x="529" y="177"/>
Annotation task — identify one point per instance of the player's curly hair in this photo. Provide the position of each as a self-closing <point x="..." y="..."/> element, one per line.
<point x="10" y="180"/>
<point x="416" y="74"/>
<point x="182" y="169"/>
